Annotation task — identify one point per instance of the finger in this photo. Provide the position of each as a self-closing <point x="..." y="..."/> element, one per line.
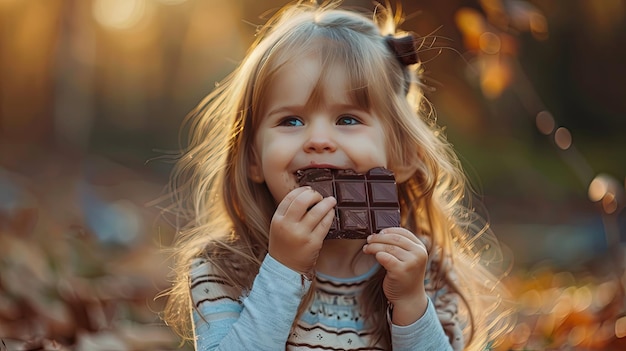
<point x="283" y="206"/>
<point x="403" y="241"/>
<point x="303" y="201"/>
<point x="321" y="229"/>
<point x="397" y="252"/>
<point x="402" y="232"/>
<point x="319" y="210"/>
<point x="388" y="261"/>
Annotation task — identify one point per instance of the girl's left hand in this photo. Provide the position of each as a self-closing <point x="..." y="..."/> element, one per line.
<point x="405" y="258"/>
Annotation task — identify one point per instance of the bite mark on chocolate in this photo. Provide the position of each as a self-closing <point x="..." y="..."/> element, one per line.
<point x="366" y="202"/>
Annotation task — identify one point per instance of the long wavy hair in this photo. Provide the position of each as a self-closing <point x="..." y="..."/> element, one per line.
<point x="227" y="216"/>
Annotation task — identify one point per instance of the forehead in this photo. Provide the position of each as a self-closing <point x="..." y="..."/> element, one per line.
<point x="309" y="82"/>
<point x="320" y="68"/>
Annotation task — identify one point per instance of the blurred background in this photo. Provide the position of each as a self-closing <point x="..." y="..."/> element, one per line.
<point x="92" y="93"/>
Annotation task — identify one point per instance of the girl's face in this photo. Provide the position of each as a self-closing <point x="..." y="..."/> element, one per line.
<point x="297" y="132"/>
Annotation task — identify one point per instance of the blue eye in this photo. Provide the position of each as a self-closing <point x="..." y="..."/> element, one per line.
<point x="348" y="120"/>
<point x="290" y="122"/>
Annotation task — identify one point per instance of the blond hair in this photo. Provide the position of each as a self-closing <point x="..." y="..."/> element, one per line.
<point x="228" y="215"/>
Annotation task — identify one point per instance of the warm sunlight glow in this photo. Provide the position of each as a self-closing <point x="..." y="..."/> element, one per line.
<point x="7" y="2"/>
<point x="119" y="14"/>
<point x="171" y="2"/>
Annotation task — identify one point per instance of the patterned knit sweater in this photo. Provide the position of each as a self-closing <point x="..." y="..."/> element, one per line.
<point x="261" y="319"/>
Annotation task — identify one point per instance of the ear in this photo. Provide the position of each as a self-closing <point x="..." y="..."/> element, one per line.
<point x="255" y="169"/>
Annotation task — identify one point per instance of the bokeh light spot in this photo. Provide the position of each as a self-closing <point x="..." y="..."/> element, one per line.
<point x="582" y="298"/>
<point x="609" y="203"/>
<point x="495" y="78"/>
<point x="606" y="189"/>
<point x="605" y="332"/>
<point x="531" y="302"/>
<point x="545" y="122"/>
<point x="538" y="26"/>
<point x="563" y="306"/>
<point x="604" y="294"/>
<point x="471" y="23"/>
<point x="620" y="327"/>
<point x="576" y="335"/>
<point x="469" y="20"/>
<point x="597" y="189"/>
<point x="563" y="138"/>
<point x="489" y="43"/>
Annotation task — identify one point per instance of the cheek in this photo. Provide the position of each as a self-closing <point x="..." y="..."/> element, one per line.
<point x="380" y="158"/>
<point x="280" y="185"/>
<point x="381" y="148"/>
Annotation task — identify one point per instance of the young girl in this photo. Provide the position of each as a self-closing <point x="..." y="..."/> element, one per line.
<point x="324" y="87"/>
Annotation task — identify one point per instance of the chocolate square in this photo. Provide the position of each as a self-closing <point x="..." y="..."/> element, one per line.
<point x="366" y="203"/>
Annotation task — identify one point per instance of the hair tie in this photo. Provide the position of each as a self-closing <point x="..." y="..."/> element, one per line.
<point x="403" y="48"/>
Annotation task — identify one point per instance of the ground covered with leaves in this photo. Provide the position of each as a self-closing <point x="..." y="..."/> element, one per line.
<point x="81" y="264"/>
<point x="81" y="260"/>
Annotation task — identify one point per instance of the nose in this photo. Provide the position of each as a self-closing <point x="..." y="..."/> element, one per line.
<point x="320" y="139"/>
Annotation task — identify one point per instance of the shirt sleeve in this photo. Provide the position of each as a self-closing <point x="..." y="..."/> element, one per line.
<point x="224" y="319"/>
<point x="424" y="334"/>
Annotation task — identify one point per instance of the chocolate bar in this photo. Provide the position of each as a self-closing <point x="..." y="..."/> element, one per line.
<point x="366" y="202"/>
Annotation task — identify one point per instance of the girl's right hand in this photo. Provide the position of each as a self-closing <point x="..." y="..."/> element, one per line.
<point x="297" y="234"/>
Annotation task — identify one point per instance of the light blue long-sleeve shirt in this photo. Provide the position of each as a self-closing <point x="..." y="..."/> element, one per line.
<point x="226" y="319"/>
